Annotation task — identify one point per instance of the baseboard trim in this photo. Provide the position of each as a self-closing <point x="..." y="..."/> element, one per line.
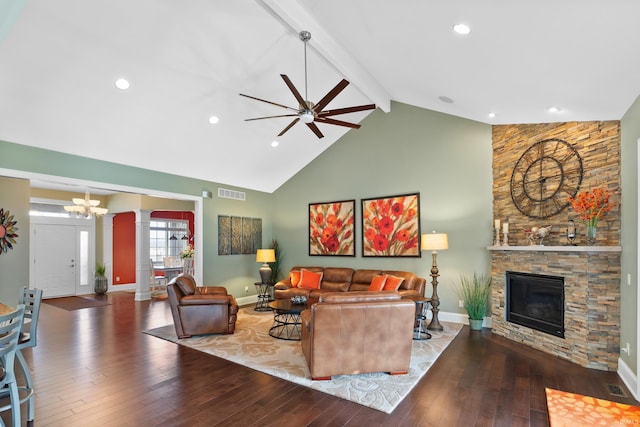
<point x="628" y="377"/>
<point x="248" y="300"/>
<point x="459" y="318"/>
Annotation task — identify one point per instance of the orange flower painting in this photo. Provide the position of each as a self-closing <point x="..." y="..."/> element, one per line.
<point x="332" y="228"/>
<point x="391" y="226"/>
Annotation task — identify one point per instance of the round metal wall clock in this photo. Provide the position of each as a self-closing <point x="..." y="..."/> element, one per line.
<point x="545" y="176"/>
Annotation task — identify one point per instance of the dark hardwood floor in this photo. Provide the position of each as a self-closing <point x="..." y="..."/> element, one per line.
<point x="94" y="367"/>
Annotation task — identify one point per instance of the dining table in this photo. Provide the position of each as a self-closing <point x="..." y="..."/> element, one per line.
<point x="5" y="309"/>
<point x="169" y="272"/>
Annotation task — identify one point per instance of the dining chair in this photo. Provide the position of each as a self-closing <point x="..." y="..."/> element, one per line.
<point x="31" y="299"/>
<point x="155" y="281"/>
<point x="171" y="262"/>
<point x="10" y="326"/>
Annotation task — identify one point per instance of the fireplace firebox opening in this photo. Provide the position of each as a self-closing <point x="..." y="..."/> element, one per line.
<point x="535" y="301"/>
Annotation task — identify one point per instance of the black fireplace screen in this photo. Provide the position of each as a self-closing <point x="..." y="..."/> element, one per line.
<point x="536" y="301"/>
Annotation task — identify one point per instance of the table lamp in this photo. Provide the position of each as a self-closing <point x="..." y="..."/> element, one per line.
<point x="434" y="242"/>
<point x="265" y="256"/>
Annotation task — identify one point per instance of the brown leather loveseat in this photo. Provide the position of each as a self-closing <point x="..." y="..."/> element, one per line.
<point x="336" y="279"/>
<point x="358" y="332"/>
<point x="201" y="310"/>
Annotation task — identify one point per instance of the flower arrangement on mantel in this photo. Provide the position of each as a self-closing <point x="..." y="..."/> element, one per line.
<point x="591" y="205"/>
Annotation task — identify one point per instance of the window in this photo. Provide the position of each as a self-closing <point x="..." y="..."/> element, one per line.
<point x="168" y="237"/>
<point x="48" y="209"/>
<point x="84" y="258"/>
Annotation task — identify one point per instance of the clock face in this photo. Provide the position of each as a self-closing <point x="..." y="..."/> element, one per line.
<point x="545" y="176"/>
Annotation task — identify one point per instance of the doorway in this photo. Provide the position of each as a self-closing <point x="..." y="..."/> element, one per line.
<point x="62" y="256"/>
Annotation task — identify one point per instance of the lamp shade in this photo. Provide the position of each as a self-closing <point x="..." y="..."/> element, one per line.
<point x="265" y="255"/>
<point x="434" y="242"/>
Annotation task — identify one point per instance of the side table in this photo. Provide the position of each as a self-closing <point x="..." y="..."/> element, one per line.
<point x="264" y="296"/>
<point x="286" y="320"/>
<point x="420" y="327"/>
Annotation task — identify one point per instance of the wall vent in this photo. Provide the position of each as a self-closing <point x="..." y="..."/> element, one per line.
<point x="232" y="194"/>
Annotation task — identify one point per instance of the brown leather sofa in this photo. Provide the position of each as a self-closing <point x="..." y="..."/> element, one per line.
<point x="358" y="332"/>
<point x="335" y="279"/>
<point x="201" y="310"/>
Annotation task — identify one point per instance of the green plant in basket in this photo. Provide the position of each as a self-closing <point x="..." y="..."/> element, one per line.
<point x="101" y="283"/>
<point x="474" y="293"/>
<point x="101" y="269"/>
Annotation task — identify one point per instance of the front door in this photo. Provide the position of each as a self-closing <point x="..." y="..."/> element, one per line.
<point x="55" y="259"/>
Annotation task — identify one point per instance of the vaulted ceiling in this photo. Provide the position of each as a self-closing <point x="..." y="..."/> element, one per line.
<point x="188" y="60"/>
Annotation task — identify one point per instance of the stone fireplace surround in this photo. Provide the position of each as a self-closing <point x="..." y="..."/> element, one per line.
<point x="592" y="300"/>
<point x="591" y="273"/>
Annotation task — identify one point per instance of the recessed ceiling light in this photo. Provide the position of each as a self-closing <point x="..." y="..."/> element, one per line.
<point x="492" y="115"/>
<point x="554" y="109"/>
<point x="275" y="144"/>
<point x="213" y="120"/>
<point x="445" y="99"/>
<point x="122" y="84"/>
<point x="461" y="29"/>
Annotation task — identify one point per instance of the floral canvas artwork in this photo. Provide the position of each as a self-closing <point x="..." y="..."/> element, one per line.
<point x="391" y="226"/>
<point x="332" y="228"/>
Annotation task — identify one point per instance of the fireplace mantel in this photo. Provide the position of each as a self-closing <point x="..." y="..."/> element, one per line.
<point x="541" y="248"/>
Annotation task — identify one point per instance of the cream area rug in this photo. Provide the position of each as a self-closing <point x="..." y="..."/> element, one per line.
<point x="252" y="346"/>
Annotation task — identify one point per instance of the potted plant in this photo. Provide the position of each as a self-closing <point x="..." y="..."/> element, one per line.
<point x="101" y="282"/>
<point x="474" y="293"/>
<point x="275" y="266"/>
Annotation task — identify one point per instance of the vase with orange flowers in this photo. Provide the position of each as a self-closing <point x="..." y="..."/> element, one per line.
<point x="590" y="206"/>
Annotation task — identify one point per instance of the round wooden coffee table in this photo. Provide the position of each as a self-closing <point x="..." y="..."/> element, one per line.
<point x="286" y="319"/>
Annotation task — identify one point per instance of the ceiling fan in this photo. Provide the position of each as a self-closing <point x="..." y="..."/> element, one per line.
<point x="308" y="112"/>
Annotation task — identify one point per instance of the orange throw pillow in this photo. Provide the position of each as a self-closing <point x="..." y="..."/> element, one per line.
<point x="295" y="278"/>
<point x="392" y="283"/>
<point x="309" y="279"/>
<point x="377" y="283"/>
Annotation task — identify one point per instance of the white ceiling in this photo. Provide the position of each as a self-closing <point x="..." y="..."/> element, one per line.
<point x="188" y="60"/>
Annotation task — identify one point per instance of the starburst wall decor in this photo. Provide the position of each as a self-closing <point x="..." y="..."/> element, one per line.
<point x="8" y="230"/>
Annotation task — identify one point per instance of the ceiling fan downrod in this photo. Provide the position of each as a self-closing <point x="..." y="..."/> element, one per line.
<point x="307" y="115"/>
<point x="305" y="36"/>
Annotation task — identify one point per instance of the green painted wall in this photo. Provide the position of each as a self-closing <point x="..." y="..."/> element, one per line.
<point x="234" y="272"/>
<point x="444" y="158"/>
<point x="630" y="128"/>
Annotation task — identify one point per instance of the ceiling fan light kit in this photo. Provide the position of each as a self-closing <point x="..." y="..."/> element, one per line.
<point x="307" y="116"/>
<point x="308" y="112"/>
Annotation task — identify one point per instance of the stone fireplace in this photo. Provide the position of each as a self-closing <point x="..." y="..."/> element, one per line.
<point x="591" y="274"/>
<point x="591" y="307"/>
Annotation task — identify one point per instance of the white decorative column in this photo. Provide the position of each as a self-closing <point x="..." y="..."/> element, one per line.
<point x="107" y="246"/>
<point x="143" y="218"/>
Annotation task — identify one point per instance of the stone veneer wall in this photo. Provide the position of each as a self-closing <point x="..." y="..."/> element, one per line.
<point x="598" y="143"/>
<point x="592" y="280"/>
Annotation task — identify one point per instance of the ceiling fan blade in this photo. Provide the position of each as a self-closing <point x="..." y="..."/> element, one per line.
<point x="315" y="129"/>
<point x="346" y="110"/>
<point x="293" y="90"/>
<point x="269" y="102"/>
<point x="271" y="117"/>
<point x="337" y="122"/>
<point x="288" y="127"/>
<point x="329" y="96"/>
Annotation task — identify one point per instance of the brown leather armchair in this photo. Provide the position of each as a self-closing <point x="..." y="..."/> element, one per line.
<point x="358" y="332"/>
<point x="201" y="310"/>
